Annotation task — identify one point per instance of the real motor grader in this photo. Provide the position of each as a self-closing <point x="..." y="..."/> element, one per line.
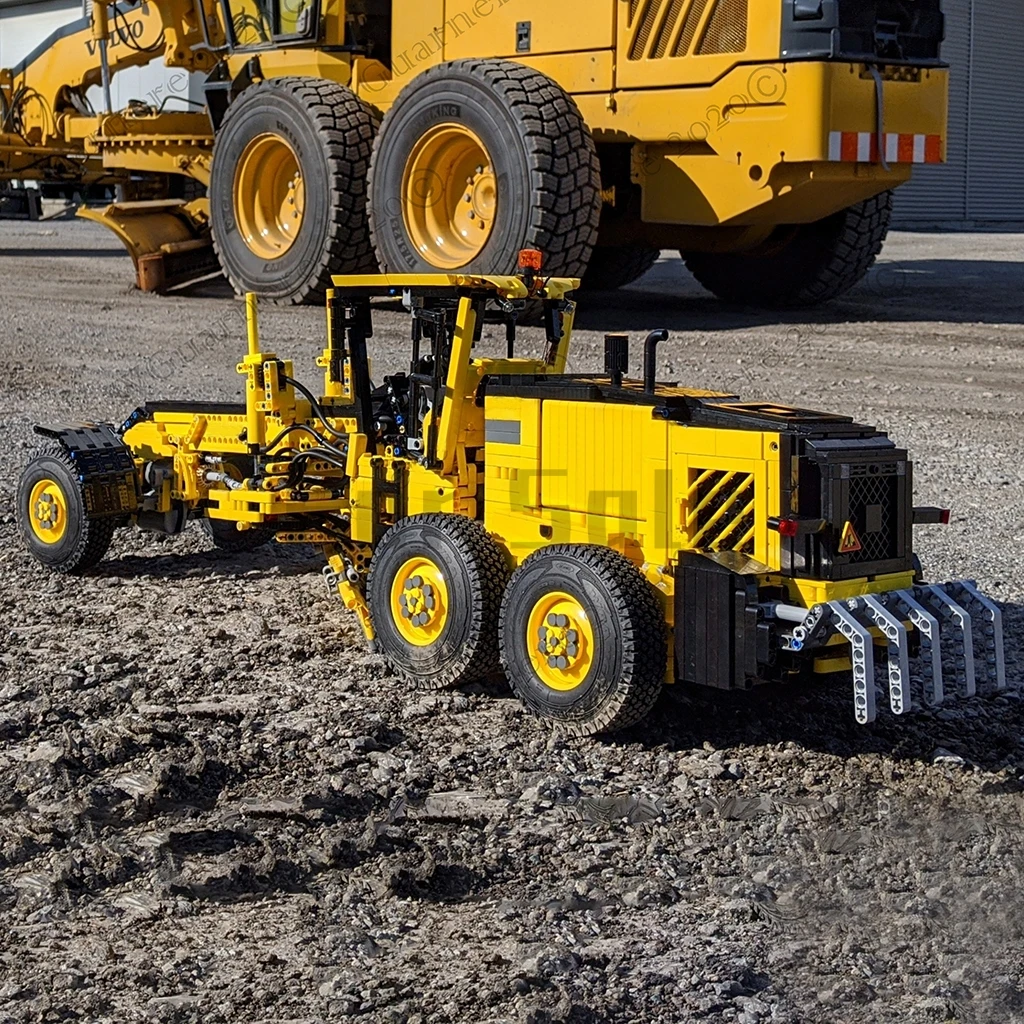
<point x="596" y="537"/>
<point x="762" y="140"/>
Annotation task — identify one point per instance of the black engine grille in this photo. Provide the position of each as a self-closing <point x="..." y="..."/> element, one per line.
<point x="866" y="483"/>
<point x="873" y="502"/>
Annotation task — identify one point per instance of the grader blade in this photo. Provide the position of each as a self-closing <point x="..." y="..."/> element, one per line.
<point x="169" y="240"/>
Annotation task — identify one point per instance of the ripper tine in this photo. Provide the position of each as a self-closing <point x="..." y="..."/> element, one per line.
<point x="863" y="650"/>
<point x="950" y="612"/>
<point x="927" y="626"/>
<point x="899" y="653"/>
<point x="985" y="610"/>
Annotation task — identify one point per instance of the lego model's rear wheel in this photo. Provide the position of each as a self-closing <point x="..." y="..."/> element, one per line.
<point x="434" y="591"/>
<point x="52" y="516"/>
<point x="583" y="639"/>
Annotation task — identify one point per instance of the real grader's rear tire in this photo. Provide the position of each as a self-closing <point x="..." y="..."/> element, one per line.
<point x="800" y="265"/>
<point x="288" y="189"/>
<point x="434" y="590"/>
<point x="52" y="515"/>
<point x="613" y="267"/>
<point x="583" y="639"/>
<point x="477" y="160"/>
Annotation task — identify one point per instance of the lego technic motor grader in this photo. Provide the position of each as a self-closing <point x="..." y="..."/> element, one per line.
<point x="593" y="536"/>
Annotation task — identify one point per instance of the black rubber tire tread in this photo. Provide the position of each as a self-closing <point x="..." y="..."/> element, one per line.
<point x="564" y="194"/>
<point x="455" y="659"/>
<point x="345" y="127"/>
<point x="613" y="267"/>
<point x="226" y="537"/>
<point x="637" y="627"/>
<point x="91" y="537"/>
<point x="819" y="262"/>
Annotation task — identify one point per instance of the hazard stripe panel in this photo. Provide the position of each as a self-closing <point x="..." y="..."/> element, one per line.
<point x="899" y="148"/>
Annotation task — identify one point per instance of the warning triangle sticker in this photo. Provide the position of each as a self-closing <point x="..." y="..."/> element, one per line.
<point x="850" y="542"/>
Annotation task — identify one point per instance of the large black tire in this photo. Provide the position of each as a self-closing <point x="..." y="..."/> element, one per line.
<point x="613" y="267"/>
<point x="624" y="671"/>
<point x="801" y="265"/>
<point x="330" y="131"/>
<point x="542" y="153"/>
<point x="80" y="542"/>
<point x="475" y="572"/>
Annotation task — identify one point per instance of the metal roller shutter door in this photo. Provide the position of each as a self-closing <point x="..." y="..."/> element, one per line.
<point x="996" y="166"/>
<point x="939" y="194"/>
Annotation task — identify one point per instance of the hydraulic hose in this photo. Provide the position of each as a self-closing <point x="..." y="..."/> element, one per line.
<point x="314" y="405"/>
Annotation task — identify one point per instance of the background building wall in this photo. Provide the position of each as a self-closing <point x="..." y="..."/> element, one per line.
<point x="25" y="24"/>
<point x="982" y="183"/>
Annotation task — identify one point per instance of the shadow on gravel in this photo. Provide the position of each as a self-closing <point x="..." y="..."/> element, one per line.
<point x="31" y="252"/>
<point x="954" y="291"/>
<point x="818" y="715"/>
<point x="261" y="564"/>
<point x="951" y="291"/>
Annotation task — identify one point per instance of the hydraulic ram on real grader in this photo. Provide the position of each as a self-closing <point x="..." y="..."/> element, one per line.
<point x="761" y="139"/>
<point x="600" y="536"/>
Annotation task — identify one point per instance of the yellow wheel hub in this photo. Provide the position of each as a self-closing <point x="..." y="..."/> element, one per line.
<point x="419" y="602"/>
<point x="48" y="511"/>
<point x="449" y="196"/>
<point x="270" y="196"/>
<point x="560" y="639"/>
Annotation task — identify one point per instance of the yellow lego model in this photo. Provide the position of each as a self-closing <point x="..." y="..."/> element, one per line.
<point x="596" y="537"/>
<point x="762" y="140"/>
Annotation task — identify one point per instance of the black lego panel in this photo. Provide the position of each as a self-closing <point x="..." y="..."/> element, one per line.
<point x="718" y="639"/>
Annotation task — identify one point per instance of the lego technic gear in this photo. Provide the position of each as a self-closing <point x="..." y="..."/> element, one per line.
<point x="600" y="537"/>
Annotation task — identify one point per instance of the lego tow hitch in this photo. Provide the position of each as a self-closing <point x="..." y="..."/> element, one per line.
<point x="593" y="537"/>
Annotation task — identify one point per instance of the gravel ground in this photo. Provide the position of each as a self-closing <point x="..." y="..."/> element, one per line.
<point x="216" y="807"/>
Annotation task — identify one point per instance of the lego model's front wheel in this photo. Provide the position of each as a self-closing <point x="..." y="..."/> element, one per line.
<point x="583" y="639"/>
<point x="434" y="591"/>
<point x="53" y="519"/>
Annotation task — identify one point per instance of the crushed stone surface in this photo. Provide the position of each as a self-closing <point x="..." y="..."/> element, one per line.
<point x="216" y="806"/>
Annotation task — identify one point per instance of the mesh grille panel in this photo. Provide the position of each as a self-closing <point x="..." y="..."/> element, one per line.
<point x="875" y="492"/>
<point x="651" y="9"/>
<point x="668" y="27"/>
<point x="693" y="17"/>
<point x="727" y="30"/>
<point x="672" y="28"/>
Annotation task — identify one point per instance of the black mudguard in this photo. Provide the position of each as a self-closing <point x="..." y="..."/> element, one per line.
<point x="105" y="467"/>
